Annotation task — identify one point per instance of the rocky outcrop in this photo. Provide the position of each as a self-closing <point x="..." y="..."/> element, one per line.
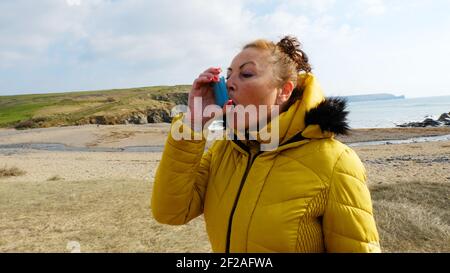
<point x="445" y="117"/>
<point x="137" y="118"/>
<point x="150" y="116"/>
<point x="177" y="98"/>
<point x="31" y="123"/>
<point x="158" y="116"/>
<point x="114" y="111"/>
<point x="103" y="120"/>
<point x="443" y="120"/>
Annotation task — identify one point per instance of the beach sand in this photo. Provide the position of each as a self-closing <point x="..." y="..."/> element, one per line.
<point x="100" y="200"/>
<point x="116" y="136"/>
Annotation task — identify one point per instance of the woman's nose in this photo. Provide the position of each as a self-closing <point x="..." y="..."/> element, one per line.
<point x="230" y="84"/>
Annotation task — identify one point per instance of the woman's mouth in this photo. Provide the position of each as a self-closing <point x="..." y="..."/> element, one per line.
<point x="232" y="100"/>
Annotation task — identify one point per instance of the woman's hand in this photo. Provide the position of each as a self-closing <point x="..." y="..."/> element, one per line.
<point x="203" y="87"/>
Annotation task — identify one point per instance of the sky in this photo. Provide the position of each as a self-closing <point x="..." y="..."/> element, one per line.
<point x="355" y="46"/>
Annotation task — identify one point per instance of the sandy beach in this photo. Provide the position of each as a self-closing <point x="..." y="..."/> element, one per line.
<point x="100" y="200"/>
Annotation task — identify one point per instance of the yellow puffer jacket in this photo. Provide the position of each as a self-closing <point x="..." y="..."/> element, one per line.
<point x="308" y="195"/>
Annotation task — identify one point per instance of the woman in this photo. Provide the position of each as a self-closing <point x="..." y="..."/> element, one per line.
<point x="307" y="195"/>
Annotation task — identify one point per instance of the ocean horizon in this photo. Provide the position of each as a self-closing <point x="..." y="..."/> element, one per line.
<point x="389" y="113"/>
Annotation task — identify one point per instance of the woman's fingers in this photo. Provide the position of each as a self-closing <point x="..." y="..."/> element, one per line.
<point x="205" y="78"/>
<point x="213" y="70"/>
<point x="201" y="80"/>
<point x="212" y="76"/>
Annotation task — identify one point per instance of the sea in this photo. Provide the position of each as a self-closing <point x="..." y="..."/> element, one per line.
<point x="388" y="113"/>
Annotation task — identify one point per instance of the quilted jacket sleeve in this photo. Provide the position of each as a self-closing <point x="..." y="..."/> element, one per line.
<point x="181" y="178"/>
<point x="348" y="221"/>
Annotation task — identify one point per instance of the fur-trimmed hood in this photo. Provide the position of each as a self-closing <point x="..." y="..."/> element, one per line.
<point x="330" y="115"/>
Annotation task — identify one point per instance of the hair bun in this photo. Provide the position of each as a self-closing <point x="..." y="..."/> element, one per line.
<point x="292" y="47"/>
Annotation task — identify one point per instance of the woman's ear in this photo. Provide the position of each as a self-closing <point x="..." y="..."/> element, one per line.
<point x="286" y="92"/>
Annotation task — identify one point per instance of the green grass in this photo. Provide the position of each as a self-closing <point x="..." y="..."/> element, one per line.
<point x="14" y="109"/>
<point x="14" y="113"/>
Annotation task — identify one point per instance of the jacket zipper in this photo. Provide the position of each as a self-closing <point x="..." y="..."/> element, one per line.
<point x="298" y="137"/>
<point x="230" y="221"/>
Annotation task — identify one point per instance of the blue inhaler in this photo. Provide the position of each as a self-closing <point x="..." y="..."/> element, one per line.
<point x="220" y="91"/>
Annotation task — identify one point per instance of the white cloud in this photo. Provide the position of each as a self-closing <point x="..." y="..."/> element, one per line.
<point x="73" y="2"/>
<point x="140" y="32"/>
<point x="374" y="7"/>
<point x="307" y="6"/>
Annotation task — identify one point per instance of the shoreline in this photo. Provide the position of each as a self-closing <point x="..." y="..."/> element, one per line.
<point x="152" y="137"/>
<point x="59" y="147"/>
<point x="386" y="134"/>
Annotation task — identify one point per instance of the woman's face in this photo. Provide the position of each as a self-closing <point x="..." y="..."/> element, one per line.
<point x="250" y="81"/>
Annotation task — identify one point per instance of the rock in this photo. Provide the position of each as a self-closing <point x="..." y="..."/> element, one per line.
<point x="411" y="124"/>
<point x="27" y="124"/>
<point x="137" y="118"/>
<point x="100" y="120"/>
<point x="158" y="116"/>
<point x="152" y="116"/>
<point x="443" y="120"/>
<point x="431" y="122"/>
<point x="444" y="116"/>
<point x="32" y="123"/>
<point x="177" y="98"/>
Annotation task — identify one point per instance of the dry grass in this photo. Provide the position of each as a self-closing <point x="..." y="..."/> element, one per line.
<point x="101" y="215"/>
<point x="55" y="178"/>
<point x="52" y="110"/>
<point x="413" y="217"/>
<point x="12" y="171"/>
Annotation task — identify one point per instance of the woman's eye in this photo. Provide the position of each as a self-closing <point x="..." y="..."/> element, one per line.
<point x="243" y="74"/>
<point x="246" y="75"/>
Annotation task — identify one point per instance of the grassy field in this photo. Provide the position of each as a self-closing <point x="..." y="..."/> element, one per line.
<point x="45" y="110"/>
<point x="100" y="215"/>
<point x="413" y="216"/>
